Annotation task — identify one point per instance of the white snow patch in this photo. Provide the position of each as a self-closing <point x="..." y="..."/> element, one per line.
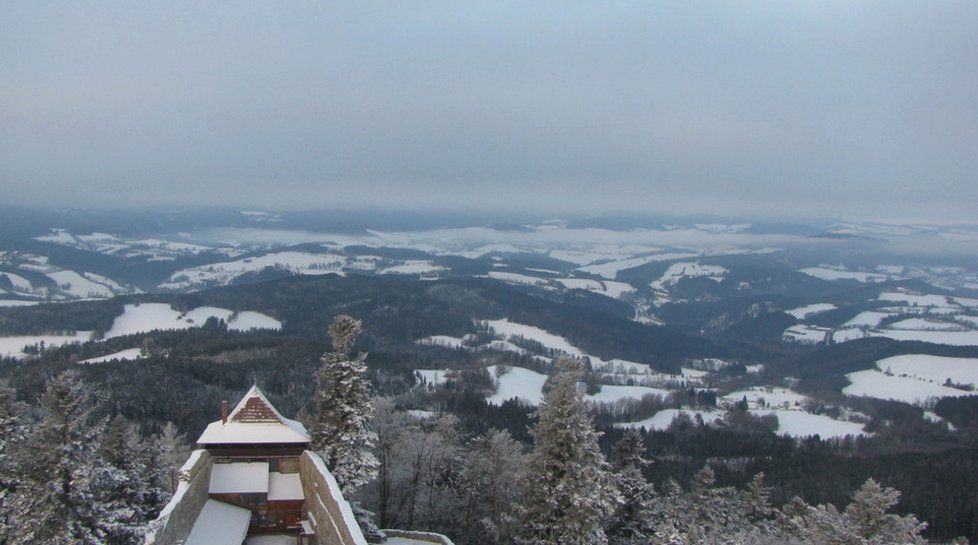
<point x="662" y="419"/>
<point x="805" y="334"/>
<point x="869" y="318"/>
<point x="678" y="271"/>
<point x="834" y="274"/>
<point x="876" y="384"/>
<point x="13" y="347"/>
<point x="802" y="424"/>
<point x="79" y="286"/>
<point x="604" y="287"/>
<point x="152" y="316"/>
<point x="610" y="393"/>
<point x="520" y="383"/>
<point x="127" y="354"/>
<point x="442" y="340"/>
<point x="611" y="269"/>
<point x="774" y="397"/>
<point x="936" y="369"/>
<point x="810" y="310"/>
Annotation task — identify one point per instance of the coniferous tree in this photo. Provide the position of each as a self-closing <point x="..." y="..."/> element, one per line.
<point x="341" y="432"/>
<point x="61" y="499"/>
<point x="567" y="489"/>
<point x="633" y="521"/>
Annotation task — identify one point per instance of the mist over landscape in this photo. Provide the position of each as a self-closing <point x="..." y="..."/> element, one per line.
<point x="489" y="273"/>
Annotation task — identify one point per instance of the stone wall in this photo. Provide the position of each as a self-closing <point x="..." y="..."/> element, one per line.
<point x="178" y="517"/>
<point x="435" y="539"/>
<point x="328" y="512"/>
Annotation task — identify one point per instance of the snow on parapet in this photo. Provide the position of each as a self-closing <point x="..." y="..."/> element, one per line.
<point x="334" y="491"/>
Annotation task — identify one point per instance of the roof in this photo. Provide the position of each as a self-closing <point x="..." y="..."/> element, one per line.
<point x="239" y="478"/>
<point x="254" y="421"/>
<point x="284" y="486"/>
<point x="219" y="523"/>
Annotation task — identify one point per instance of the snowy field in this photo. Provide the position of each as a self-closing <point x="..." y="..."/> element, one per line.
<point x="805" y="334"/>
<point x="937" y="369"/>
<point x="773" y="397"/>
<point x="808" y="311"/>
<point x="513" y="329"/>
<point x="802" y="424"/>
<point x="16" y="303"/>
<point x="610" y="394"/>
<point x="224" y="272"/>
<point x="954" y="338"/>
<point x="678" y="271"/>
<point x="869" y="318"/>
<point x="662" y="419"/>
<point x="152" y="316"/>
<point x="129" y="354"/>
<point x="519" y="383"/>
<point x="876" y="384"/>
<point x="835" y="274"/>
<point x="442" y="340"/>
<point x="606" y="287"/>
<point x="611" y="269"/>
<point x="13" y="347"/>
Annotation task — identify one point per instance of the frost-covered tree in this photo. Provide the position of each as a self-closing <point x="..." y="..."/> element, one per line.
<point x="12" y="429"/>
<point x="865" y="521"/>
<point x="61" y="499"/>
<point x="490" y="486"/>
<point x="567" y="489"/>
<point x="341" y="432"/>
<point x="633" y="520"/>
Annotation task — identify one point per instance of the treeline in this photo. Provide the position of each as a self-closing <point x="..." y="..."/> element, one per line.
<point x="71" y="472"/>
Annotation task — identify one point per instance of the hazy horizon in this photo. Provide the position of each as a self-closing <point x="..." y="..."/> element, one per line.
<point x="861" y="112"/>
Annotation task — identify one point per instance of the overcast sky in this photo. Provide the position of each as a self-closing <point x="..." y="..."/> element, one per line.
<point x="854" y="109"/>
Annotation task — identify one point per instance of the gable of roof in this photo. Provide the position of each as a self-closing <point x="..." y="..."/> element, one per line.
<point x="254" y="420"/>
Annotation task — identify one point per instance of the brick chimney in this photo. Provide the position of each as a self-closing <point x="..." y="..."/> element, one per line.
<point x="224" y="412"/>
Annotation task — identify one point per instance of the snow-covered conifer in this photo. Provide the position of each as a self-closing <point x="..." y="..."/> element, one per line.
<point x="12" y="431"/>
<point x="567" y="489"/>
<point x="59" y="500"/>
<point x="341" y="432"/>
<point x="633" y="521"/>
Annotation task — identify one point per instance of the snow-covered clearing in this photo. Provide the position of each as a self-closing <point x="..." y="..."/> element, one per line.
<point x="876" y="384"/>
<point x="224" y="272"/>
<point x="802" y="424"/>
<point x="442" y="340"/>
<point x="151" y="316"/>
<point x="611" y="269"/>
<point x="413" y="267"/>
<point x="16" y="303"/>
<point x="772" y="396"/>
<point x="662" y="419"/>
<point x="517" y="382"/>
<point x="13" y="347"/>
<point x="810" y="310"/>
<point x="954" y="338"/>
<point x="604" y="287"/>
<point x="19" y="282"/>
<point x="517" y="278"/>
<point x="513" y="329"/>
<point x="869" y="318"/>
<point x="77" y="285"/>
<point x="851" y="334"/>
<point x="678" y="271"/>
<point x="926" y="324"/>
<point x="834" y="274"/>
<point x="127" y="354"/>
<point x="937" y="369"/>
<point x="610" y="394"/>
<point x="805" y="334"/>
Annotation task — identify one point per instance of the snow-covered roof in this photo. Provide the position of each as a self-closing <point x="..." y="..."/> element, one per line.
<point x="254" y="421"/>
<point x="219" y="523"/>
<point x="239" y="478"/>
<point x="284" y="486"/>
